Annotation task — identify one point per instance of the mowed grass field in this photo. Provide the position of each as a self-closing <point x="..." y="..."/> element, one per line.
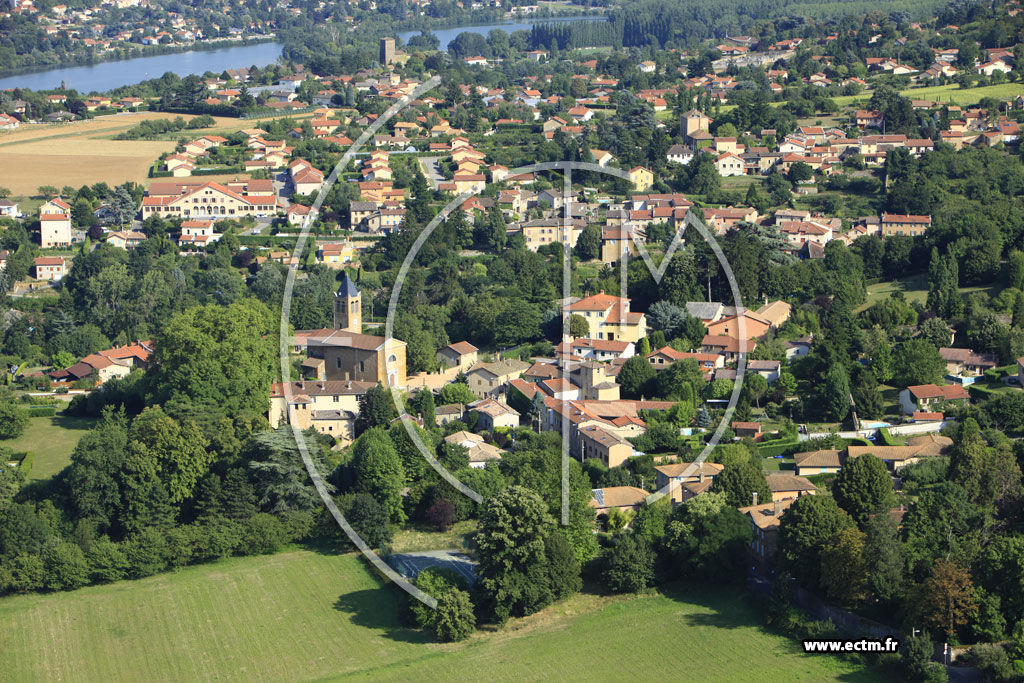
<point x="51" y="439"/>
<point x="308" y="615"/>
<point x="84" y="153"/>
<point x="915" y="288"/>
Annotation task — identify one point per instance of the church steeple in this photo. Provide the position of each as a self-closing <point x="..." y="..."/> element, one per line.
<point x="348" y="307"/>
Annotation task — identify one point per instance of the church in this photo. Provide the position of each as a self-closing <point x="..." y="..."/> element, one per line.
<point x="345" y="353"/>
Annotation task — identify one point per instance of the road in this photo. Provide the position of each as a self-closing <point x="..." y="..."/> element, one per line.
<point x="430" y="169"/>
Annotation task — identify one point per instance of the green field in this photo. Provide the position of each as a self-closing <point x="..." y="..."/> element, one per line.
<point x="51" y="440"/>
<point x="307" y="615"/>
<point x="951" y="93"/>
<point x="915" y="288"/>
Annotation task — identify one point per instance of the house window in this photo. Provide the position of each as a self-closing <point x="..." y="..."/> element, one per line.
<point x="362" y="366"/>
<point x="337" y="362"/>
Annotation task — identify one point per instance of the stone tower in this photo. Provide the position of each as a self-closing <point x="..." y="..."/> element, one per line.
<point x="348" y="307"/>
<point x="387" y="51"/>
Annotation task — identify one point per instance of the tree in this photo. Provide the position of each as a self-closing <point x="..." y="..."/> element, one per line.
<point x="512" y="573"/>
<point x="369" y="519"/>
<point x="578" y="326"/>
<point x="497" y="234"/>
<point x="456" y="392"/>
<point x="376" y="409"/>
<point x="13" y="419"/>
<point x="800" y="172"/>
<point x="65" y="566"/>
<point x="917" y="655"/>
<point x="883" y="553"/>
<point x="563" y="566"/>
<point x="946" y="598"/>
<point x="740" y="481"/>
<point x="123" y="204"/>
<point x="843" y="567"/>
<point x="218" y="360"/>
<point x="280" y="481"/>
<point x="441" y="514"/>
<point x="378" y="471"/>
<point x="588" y="245"/>
<point x="806" y="526"/>
<point x="455" y="619"/>
<point x="867" y="397"/>
<point x="179" y="451"/>
<point x="635" y="376"/>
<point x="629" y="565"/>
<point x="918" y="362"/>
<point x="837" y="393"/>
<point x="863" y="487"/>
<point x="756" y="387"/>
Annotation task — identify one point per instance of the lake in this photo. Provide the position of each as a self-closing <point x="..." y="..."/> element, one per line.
<point x="447" y="35"/>
<point x="105" y="76"/>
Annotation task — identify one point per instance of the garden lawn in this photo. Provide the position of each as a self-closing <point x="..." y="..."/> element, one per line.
<point x="51" y="440"/>
<point x="305" y="615"/>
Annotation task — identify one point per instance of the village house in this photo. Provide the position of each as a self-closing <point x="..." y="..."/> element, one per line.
<point x="489" y="379"/>
<point x="328" y="406"/>
<point x="479" y="451"/>
<point x="617" y="498"/>
<point x="50" y="268"/>
<point x="126" y="239"/>
<point x="686" y="480"/>
<point x="967" y="363"/>
<point x="898" y="224"/>
<point x="461" y="355"/>
<point x="923" y="397"/>
<point x="765" y="519"/>
<point x="493" y="413"/>
<point x="786" y="486"/>
<point x="609" y="317"/>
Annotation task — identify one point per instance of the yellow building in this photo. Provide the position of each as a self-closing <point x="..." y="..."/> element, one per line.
<point x="641" y="178"/>
<point x="609" y="317"/>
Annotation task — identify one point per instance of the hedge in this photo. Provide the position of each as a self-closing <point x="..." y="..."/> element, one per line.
<point x="25" y="466"/>
<point x="887" y="439"/>
<point x="783" y="448"/>
<point x="42" y="411"/>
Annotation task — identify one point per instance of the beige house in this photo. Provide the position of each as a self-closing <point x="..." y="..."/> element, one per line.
<point x="488" y="379"/>
<point x="480" y="452"/>
<point x="331" y="407"/>
<point x="461" y="355"/>
<point x="686" y="480"/>
<point x="620" y="497"/>
<point x="492" y="414"/>
<point x="899" y="224"/>
<point x="210" y="200"/>
<point x="51" y="268"/>
<point x="785" y="486"/>
<point x="606" y="446"/>
<point x="825" y="461"/>
<point x="765" y="518"/>
<point x="55" y="224"/>
<point x="126" y="239"/>
<point x="609" y="317"/>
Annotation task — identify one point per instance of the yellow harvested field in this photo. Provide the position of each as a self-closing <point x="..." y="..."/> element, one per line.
<point x="83" y="153"/>
<point x="58" y="162"/>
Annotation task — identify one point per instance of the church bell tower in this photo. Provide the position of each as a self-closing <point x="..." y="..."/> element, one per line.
<point x="348" y="307"/>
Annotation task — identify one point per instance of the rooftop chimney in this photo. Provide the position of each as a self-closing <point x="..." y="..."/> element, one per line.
<point x="755" y="498"/>
<point x="778" y="508"/>
<point x="700" y="479"/>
